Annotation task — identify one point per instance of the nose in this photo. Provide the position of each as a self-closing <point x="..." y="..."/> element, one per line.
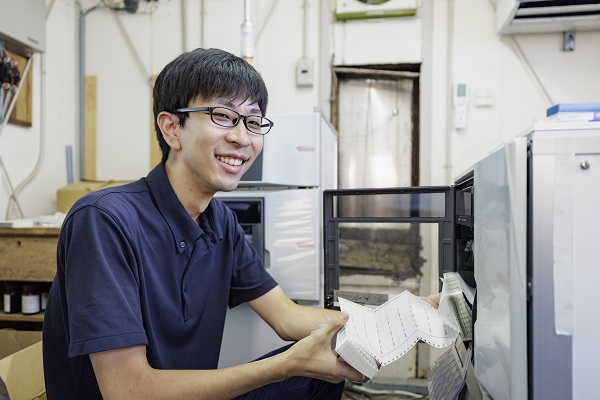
<point x="238" y="134"/>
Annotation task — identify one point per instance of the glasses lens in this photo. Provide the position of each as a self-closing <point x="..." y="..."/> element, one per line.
<point x="224" y="116"/>
<point x="257" y="124"/>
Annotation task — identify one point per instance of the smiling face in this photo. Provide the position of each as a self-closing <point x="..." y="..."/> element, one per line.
<point x="206" y="158"/>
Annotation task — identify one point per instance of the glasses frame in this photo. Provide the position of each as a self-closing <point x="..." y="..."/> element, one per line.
<point x="240" y="117"/>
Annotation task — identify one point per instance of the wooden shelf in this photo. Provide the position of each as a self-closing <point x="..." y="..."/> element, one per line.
<point x="28" y="254"/>
<point x="18" y="317"/>
<point x="35" y="231"/>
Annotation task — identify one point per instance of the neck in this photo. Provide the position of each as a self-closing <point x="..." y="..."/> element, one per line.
<point x="193" y="199"/>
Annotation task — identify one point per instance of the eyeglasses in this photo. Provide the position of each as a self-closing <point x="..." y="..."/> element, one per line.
<point x="228" y="118"/>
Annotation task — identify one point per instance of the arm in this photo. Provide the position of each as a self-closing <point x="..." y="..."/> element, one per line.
<point x="289" y="320"/>
<point x="294" y="322"/>
<point x="125" y="373"/>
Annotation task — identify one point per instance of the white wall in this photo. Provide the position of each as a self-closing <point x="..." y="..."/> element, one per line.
<point x="55" y="119"/>
<point x="124" y="50"/>
<point x="525" y="73"/>
<point x="455" y="39"/>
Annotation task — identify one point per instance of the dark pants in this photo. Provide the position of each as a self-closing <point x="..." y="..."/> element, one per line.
<point x="295" y="388"/>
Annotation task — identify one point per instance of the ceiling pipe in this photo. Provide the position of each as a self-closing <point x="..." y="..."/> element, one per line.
<point x="248" y="33"/>
<point x="202" y="20"/>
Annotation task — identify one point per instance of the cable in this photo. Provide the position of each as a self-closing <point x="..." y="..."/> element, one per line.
<point x="42" y="146"/>
<point x="12" y="193"/>
<point x="349" y="396"/>
<point x="370" y="391"/>
<point x="363" y="396"/>
<point x="525" y="60"/>
<point x="92" y="8"/>
<point x="305" y="28"/>
<point x="449" y="89"/>
<point x="10" y="188"/>
<point x="136" y="56"/>
<point x="523" y="57"/>
<point x="264" y="24"/>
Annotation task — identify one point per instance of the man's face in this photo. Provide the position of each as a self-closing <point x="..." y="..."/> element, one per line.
<point x="213" y="157"/>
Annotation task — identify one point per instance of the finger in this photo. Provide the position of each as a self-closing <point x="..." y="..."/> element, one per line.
<point x="350" y="373"/>
<point x="335" y="324"/>
<point x="434" y="299"/>
<point x="358" y="377"/>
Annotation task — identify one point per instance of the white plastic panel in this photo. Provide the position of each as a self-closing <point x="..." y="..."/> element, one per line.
<point x="586" y="272"/>
<point x="329" y="157"/>
<point x="292" y="239"/>
<point x="354" y="41"/>
<point x="291" y="151"/>
<point x="500" y="204"/>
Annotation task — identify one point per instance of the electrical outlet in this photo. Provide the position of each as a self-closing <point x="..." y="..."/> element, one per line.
<point x="304" y="72"/>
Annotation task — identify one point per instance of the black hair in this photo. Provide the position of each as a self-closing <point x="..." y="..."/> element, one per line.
<point x="208" y="74"/>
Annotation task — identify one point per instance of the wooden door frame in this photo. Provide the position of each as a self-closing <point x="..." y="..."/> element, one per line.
<point x="394" y="72"/>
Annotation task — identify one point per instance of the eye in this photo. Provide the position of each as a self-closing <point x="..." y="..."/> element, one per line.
<point x="221" y="115"/>
<point x="254" y="122"/>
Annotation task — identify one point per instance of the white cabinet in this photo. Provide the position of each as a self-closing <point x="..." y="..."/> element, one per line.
<point x="536" y="216"/>
<point x="23" y="24"/>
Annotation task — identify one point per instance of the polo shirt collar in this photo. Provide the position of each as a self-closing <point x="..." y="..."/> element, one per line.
<point x="185" y="230"/>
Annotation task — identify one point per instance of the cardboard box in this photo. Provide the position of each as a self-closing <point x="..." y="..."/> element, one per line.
<point x="21" y="365"/>
<point x="66" y="196"/>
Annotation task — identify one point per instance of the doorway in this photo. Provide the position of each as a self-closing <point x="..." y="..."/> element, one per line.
<point x="375" y="110"/>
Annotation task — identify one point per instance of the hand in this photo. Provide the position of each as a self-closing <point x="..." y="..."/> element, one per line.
<point x="314" y="357"/>
<point x="433" y="299"/>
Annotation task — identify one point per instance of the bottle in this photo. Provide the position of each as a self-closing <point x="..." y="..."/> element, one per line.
<point x="30" y="299"/>
<point x="44" y="295"/>
<point x="12" y="297"/>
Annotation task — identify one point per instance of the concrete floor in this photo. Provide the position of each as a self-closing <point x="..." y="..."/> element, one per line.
<point x="380" y="392"/>
<point x="362" y="396"/>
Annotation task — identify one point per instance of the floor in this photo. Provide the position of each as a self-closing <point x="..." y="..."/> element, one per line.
<point x="367" y="392"/>
<point x="357" y="396"/>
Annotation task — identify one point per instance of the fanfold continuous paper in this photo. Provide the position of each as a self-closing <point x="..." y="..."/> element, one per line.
<point x="389" y="331"/>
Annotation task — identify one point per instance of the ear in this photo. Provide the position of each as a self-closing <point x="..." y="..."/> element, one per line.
<point x="168" y="124"/>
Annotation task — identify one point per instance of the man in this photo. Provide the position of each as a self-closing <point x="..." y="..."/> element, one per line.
<point x="147" y="270"/>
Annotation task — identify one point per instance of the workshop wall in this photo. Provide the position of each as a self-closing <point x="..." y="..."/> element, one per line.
<point x="34" y="157"/>
<point x="511" y="79"/>
<point x="124" y="50"/>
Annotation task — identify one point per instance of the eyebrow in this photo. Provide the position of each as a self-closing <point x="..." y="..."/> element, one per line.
<point x="228" y="103"/>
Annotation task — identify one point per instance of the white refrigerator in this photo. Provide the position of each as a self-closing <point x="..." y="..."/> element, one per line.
<point x="536" y="211"/>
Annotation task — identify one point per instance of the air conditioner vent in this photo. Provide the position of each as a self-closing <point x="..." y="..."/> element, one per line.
<point x="531" y="16"/>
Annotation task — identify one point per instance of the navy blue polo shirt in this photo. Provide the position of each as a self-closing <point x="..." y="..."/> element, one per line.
<point x="134" y="268"/>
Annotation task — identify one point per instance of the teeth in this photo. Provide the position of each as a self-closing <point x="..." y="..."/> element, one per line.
<point x="230" y="160"/>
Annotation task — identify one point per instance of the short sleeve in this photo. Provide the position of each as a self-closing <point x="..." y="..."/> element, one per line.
<point x="101" y="283"/>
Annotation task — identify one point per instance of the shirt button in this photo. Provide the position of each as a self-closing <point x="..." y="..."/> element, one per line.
<point x="182" y="244"/>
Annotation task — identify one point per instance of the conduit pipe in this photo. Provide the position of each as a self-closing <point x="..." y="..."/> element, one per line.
<point x="248" y="33"/>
